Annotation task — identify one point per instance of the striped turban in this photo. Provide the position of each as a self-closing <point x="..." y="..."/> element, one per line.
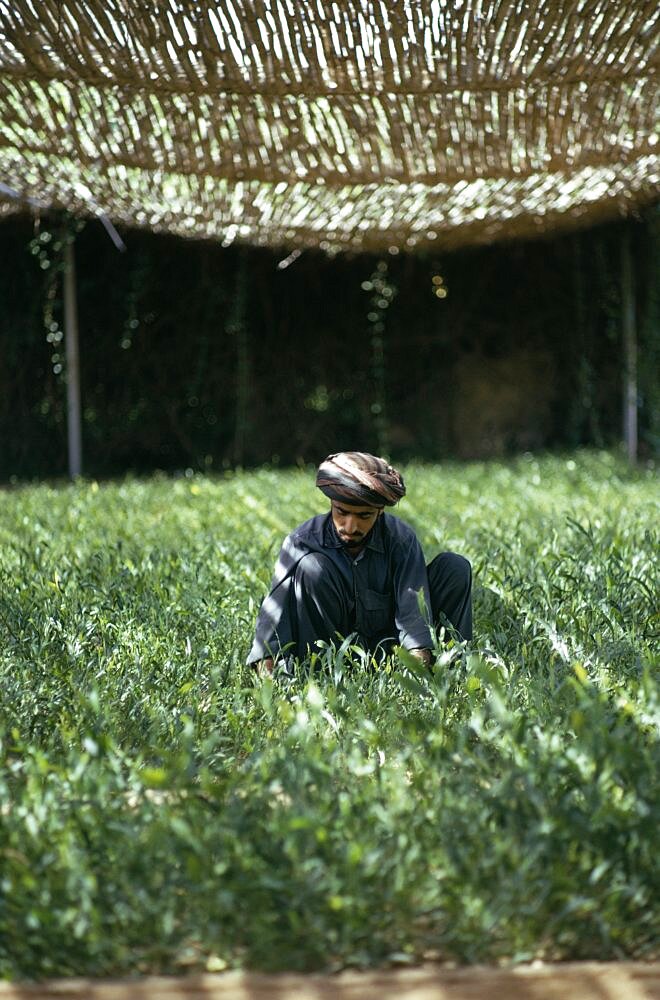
<point x="358" y="478"/>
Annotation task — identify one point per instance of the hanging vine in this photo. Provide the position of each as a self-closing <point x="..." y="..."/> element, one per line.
<point x="49" y="247"/>
<point x="382" y="294"/>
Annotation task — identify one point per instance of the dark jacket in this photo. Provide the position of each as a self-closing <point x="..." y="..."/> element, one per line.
<point x="383" y="585"/>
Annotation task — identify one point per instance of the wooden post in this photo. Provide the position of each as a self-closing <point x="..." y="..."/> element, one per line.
<point x="629" y="348"/>
<point x="72" y="363"/>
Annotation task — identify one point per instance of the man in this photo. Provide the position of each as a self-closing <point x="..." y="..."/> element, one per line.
<point x="357" y="570"/>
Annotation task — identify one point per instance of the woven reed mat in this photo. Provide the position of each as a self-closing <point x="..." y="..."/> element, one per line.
<point x="357" y="125"/>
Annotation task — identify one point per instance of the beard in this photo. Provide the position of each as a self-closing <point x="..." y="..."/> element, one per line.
<point x="353" y="543"/>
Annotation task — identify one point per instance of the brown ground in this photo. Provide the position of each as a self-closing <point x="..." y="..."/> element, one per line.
<point x="572" y="981"/>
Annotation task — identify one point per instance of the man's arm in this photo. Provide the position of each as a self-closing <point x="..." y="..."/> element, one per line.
<point x="411" y="597"/>
<point x="274" y="627"/>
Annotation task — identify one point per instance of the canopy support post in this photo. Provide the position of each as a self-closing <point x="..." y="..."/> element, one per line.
<point x="74" y="426"/>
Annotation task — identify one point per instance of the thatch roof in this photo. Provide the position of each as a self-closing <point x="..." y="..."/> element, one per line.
<point x="349" y="124"/>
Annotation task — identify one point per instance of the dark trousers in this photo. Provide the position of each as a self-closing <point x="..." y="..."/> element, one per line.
<point x="450" y="587"/>
<point x="323" y="606"/>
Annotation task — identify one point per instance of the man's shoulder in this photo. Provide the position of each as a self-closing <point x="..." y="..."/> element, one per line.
<point x="307" y="537"/>
<point x="310" y="531"/>
<point x="397" y="529"/>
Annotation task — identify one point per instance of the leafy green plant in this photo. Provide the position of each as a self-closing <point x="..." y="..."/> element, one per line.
<point x="161" y="808"/>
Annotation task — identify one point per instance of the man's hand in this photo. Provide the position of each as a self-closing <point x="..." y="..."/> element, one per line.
<point x="264" y="667"/>
<point x="422" y="654"/>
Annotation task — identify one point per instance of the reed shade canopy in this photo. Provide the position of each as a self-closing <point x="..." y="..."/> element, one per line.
<point x="354" y="124"/>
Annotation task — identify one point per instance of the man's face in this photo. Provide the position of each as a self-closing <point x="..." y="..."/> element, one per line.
<point x="353" y="524"/>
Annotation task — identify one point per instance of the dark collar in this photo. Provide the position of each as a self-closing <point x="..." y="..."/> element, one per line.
<point x="331" y="539"/>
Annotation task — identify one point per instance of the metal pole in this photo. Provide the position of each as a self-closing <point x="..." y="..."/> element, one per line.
<point x="72" y="363"/>
<point x="629" y="349"/>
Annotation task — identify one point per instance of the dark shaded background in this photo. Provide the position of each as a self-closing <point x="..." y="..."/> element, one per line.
<point x="195" y="356"/>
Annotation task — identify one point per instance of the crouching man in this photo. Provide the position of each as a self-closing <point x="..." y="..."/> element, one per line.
<point x="357" y="570"/>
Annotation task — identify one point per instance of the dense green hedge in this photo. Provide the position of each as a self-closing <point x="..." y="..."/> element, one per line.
<point x="159" y="810"/>
<point x="195" y="356"/>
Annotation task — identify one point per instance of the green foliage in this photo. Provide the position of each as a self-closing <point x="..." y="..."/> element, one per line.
<point x="160" y="809"/>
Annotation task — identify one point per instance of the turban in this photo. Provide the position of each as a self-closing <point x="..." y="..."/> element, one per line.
<point x="358" y="478"/>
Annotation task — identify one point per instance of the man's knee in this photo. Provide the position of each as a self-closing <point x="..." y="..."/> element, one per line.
<point x="450" y="584"/>
<point x="452" y="569"/>
<point x="322" y="601"/>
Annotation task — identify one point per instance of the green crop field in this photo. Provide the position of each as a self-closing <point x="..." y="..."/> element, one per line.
<point x="162" y="810"/>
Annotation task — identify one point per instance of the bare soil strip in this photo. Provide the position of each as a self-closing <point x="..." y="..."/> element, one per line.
<point x="571" y="981"/>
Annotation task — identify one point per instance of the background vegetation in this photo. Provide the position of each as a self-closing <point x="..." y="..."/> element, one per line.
<point x="161" y="810"/>
<point x="195" y="356"/>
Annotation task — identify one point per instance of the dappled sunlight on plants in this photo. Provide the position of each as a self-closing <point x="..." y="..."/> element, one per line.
<point x="164" y="808"/>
